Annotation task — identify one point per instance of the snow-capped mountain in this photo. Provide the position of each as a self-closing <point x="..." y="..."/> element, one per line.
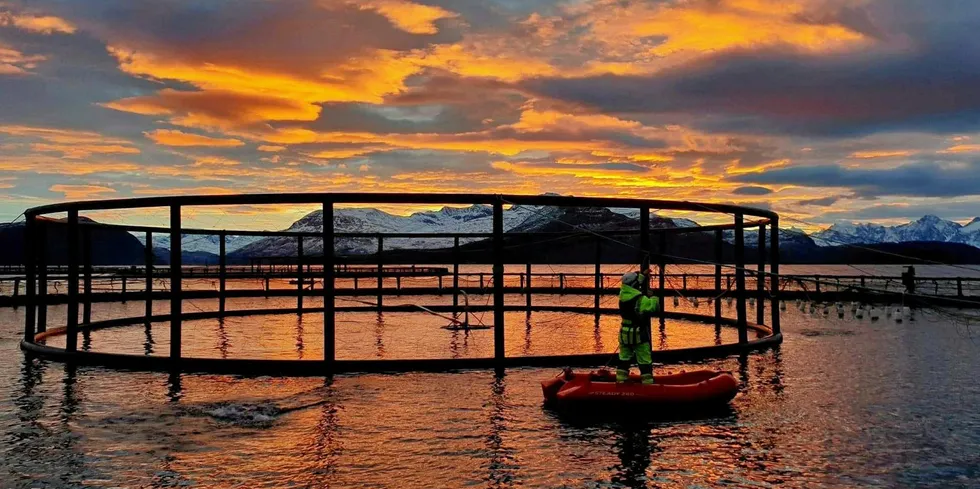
<point x="473" y="219"/>
<point x="655" y="218"/>
<point x="787" y="237"/>
<point x="207" y="243"/>
<point x="928" y="228"/>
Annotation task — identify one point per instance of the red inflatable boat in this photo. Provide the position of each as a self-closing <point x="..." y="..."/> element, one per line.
<point x="695" y="388"/>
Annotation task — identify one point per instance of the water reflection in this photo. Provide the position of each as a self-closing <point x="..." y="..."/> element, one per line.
<point x="527" y="336"/>
<point x="299" y="336"/>
<point x="174" y="389"/>
<point x="459" y="343"/>
<point x="502" y="465"/>
<point x="379" y="335"/>
<point x="222" y="337"/>
<point x="327" y="445"/>
<point x="598" y="347"/>
<point x="148" y="338"/>
<point x="634" y="448"/>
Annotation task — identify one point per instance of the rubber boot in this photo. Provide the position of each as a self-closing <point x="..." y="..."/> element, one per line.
<point x="622" y="375"/>
<point x="646" y="378"/>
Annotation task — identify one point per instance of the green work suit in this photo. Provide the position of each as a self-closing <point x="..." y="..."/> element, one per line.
<point x="634" y="337"/>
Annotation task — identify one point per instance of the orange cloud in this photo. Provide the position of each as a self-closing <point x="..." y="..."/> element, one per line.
<point x="217" y="108"/>
<point x="867" y="155"/>
<point x="184" y="191"/>
<point x="76" y="151"/>
<point x="702" y="26"/>
<point x="408" y="16"/>
<point x="47" y="165"/>
<point x="736" y="167"/>
<point x="338" y="154"/>
<point x="261" y="95"/>
<point x="70" y="143"/>
<point x="82" y="192"/>
<point x="170" y="137"/>
<point x="270" y="148"/>
<point x="962" y="148"/>
<point x="39" y="24"/>
<point x="61" y="136"/>
<point x="14" y="62"/>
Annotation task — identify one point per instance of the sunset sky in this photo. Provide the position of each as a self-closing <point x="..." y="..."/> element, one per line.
<point x="819" y="109"/>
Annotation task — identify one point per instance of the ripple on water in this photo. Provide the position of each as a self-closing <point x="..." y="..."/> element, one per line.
<point x="854" y="405"/>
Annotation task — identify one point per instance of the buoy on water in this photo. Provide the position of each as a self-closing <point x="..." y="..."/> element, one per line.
<point x="874" y="313"/>
<point x="694" y="302"/>
<point x="859" y="314"/>
<point x="677" y="301"/>
<point x="782" y="306"/>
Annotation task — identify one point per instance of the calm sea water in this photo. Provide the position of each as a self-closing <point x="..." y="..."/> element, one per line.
<point x="844" y="402"/>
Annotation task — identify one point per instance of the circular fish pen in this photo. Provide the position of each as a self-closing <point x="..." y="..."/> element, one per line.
<point x="472" y="283"/>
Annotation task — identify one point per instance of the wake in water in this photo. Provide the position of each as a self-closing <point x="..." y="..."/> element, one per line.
<point x="261" y="413"/>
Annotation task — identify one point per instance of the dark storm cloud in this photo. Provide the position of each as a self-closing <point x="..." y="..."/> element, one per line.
<point x="799" y="93"/>
<point x="822" y="202"/>
<point x="752" y="191"/>
<point x="299" y="37"/>
<point x="918" y="179"/>
<point x="65" y="89"/>
<point x="949" y="210"/>
<point x="918" y="71"/>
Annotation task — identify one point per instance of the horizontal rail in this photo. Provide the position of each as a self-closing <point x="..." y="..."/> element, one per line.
<point x="396" y="198"/>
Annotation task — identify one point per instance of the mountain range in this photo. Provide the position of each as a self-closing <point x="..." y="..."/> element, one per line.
<point x="928" y="228"/>
<point x="479" y="219"/>
<point x="940" y="239"/>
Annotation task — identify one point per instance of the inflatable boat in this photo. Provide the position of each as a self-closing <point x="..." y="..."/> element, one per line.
<point x="698" y="388"/>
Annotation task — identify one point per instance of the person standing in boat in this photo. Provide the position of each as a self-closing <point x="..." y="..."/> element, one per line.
<point x="634" y="336"/>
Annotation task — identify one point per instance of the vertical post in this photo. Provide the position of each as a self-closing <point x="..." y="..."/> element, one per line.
<point x="148" y="264"/>
<point x="222" y="271"/>
<point x="598" y="272"/>
<point x="329" y="317"/>
<point x="718" y="260"/>
<point x="175" y="285"/>
<point x="87" y="266"/>
<point x="760" y="304"/>
<point x="498" y="280"/>
<point x="41" y="245"/>
<point x="743" y="335"/>
<point x="959" y="287"/>
<point x="381" y="248"/>
<point x="299" y="273"/>
<point x="662" y="263"/>
<point x="456" y="258"/>
<point x="644" y="258"/>
<point x="774" y="275"/>
<point x="30" y="242"/>
<point x="71" y="326"/>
